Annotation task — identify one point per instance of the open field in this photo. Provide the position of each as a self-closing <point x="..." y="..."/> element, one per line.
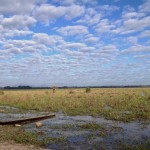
<point x="117" y="104"/>
<point x="83" y="120"/>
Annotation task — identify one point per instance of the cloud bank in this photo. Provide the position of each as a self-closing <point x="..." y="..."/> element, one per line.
<point x="74" y="42"/>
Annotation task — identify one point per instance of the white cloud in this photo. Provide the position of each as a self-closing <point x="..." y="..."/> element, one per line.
<point x="3" y="57"/>
<point x="133" y="20"/>
<point x="104" y="26"/>
<point x="14" y="33"/>
<point x="92" y="39"/>
<point x="108" y="49"/>
<point x="18" y="22"/>
<point x="136" y="49"/>
<point x="145" y="33"/>
<point x="83" y="40"/>
<point x="105" y="53"/>
<point x="48" y="13"/>
<point x="134" y="25"/>
<point x="139" y="56"/>
<point x="145" y="7"/>
<point x="87" y="49"/>
<point x="132" y="40"/>
<point x="73" y="45"/>
<point x="23" y="46"/>
<point x="131" y="25"/>
<point x="20" y="43"/>
<point x="129" y="15"/>
<point x="93" y="2"/>
<point x="75" y="54"/>
<point x="128" y="8"/>
<point x="15" y="50"/>
<point x="73" y="30"/>
<point x="11" y="7"/>
<point x="71" y="2"/>
<point x="46" y="39"/>
<point x="108" y="8"/>
<point x="67" y="2"/>
<point x="74" y="11"/>
<point x="91" y="17"/>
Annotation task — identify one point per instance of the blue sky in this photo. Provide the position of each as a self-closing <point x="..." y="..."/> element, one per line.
<point x="74" y="42"/>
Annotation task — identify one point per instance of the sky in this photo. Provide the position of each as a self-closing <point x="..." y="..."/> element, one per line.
<point x="74" y="42"/>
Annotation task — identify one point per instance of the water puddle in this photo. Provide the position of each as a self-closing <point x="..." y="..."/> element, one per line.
<point x="7" y="109"/>
<point x="76" y="139"/>
<point x="84" y="132"/>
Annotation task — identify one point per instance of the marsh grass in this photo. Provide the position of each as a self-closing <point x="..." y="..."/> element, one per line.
<point x="63" y="127"/>
<point x="1" y="92"/>
<point x="90" y="126"/>
<point x="9" y="133"/>
<point x="137" y="146"/>
<point x="80" y="103"/>
<point x="19" y="135"/>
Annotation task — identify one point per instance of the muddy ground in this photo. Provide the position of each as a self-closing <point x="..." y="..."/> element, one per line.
<point x="13" y="146"/>
<point x="83" y="132"/>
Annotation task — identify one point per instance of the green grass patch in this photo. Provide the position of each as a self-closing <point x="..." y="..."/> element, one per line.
<point x="81" y="103"/>
<point x="90" y="126"/>
<point x="63" y="127"/>
<point x="138" y="146"/>
<point x="19" y="135"/>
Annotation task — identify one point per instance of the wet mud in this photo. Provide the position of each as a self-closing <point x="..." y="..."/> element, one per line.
<point x="82" y="132"/>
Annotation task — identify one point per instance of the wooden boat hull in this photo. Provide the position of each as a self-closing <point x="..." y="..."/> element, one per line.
<point x="27" y="120"/>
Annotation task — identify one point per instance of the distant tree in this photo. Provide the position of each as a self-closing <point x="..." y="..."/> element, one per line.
<point x="18" y="87"/>
<point x="7" y="87"/>
<point x="87" y="90"/>
<point x="54" y="89"/>
<point x="24" y="87"/>
<point x="71" y="91"/>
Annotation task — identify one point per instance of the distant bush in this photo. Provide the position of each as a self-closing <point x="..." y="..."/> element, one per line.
<point x="1" y="92"/>
<point x="54" y="89"/>
<point x="46" y="92"/>
<point x="87" y="90"/>
<point x="71" y="91"/>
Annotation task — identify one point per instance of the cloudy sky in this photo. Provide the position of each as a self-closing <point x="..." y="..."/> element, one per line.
<point x="74" y="42"/>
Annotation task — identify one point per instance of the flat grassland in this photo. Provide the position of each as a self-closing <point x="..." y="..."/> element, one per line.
<point x="123" y="104"/>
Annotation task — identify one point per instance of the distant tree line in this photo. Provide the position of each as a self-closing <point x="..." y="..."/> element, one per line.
<point x="65" y="87"/>
<point x="18" y="87"/>
<point x="24" y="87"/>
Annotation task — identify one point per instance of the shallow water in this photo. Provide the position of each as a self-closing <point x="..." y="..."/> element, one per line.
<point x="75" y="137"/>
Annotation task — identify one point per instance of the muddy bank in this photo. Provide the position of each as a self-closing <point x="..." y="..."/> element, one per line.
<point x="13" y="146"/>
<point x="77" y="133"/>
<point x="84" y="132"/>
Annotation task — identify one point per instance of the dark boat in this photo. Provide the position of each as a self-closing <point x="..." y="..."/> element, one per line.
<point x="27" y="120"/>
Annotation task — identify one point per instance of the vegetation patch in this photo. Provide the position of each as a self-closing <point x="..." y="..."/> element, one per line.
<point x="88" y="90"/>
<point x="137" y="146"/>
<point x="19" y="135"/>
<point x="80" y="103"/>
<point x="90" y="126"/>
<point x="65" y="127"/>
<point x="1" y="92"/>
